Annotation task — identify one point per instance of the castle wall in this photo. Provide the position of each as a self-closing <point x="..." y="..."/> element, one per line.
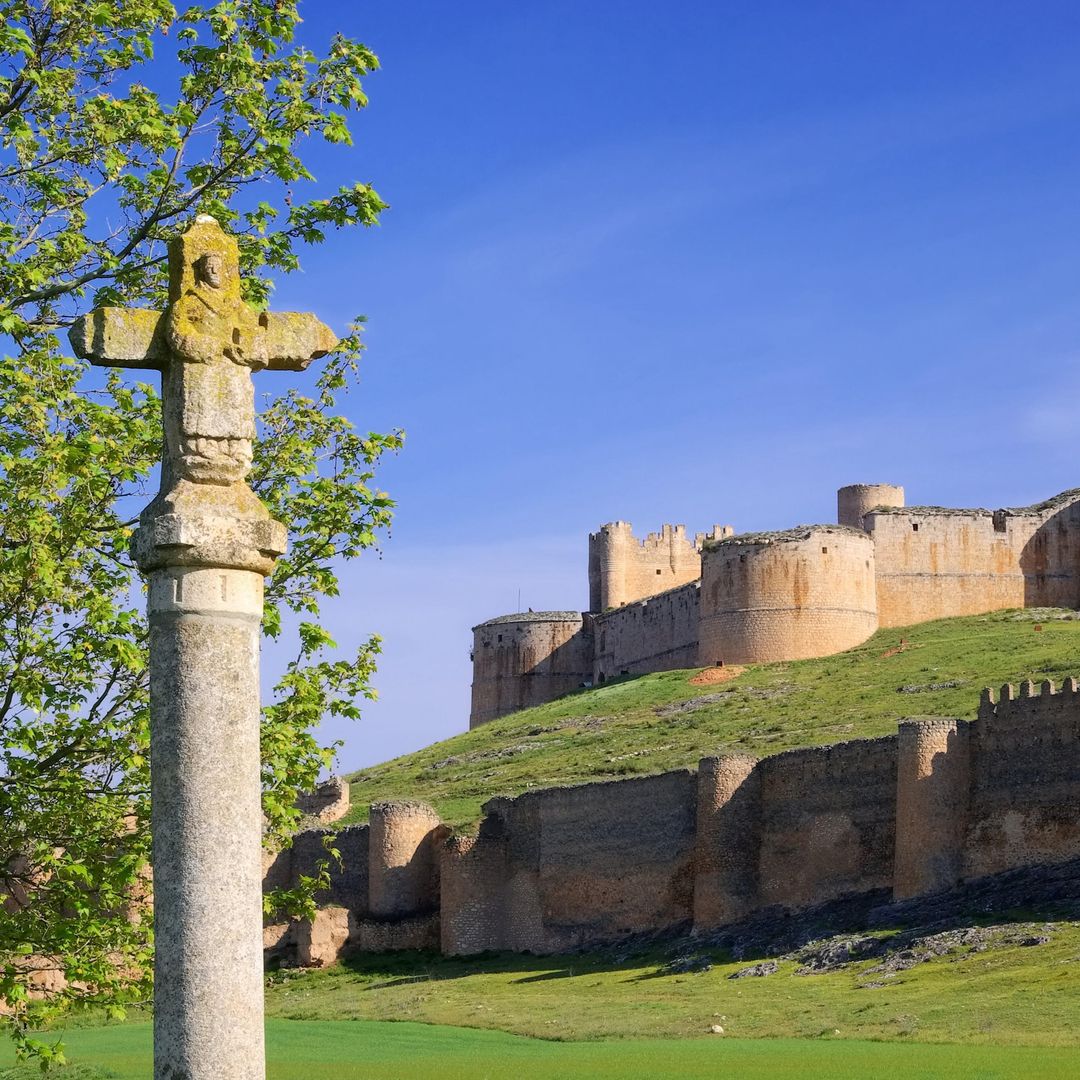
<point x="528" y="659"/>
<point x="1025" y="780"/>
<point x="348" y="884"/>
<point x="933" y="784"/>
<point x="571" y="867"/>
<point x="553" y="870"/>
<point x="933" y="563"/>
<point x="827" y="822"/>
<point x="786" y="596"/>
<point x="657" y="634"/>
<point x="728" y="839"/>
<point x="403" y="859"/>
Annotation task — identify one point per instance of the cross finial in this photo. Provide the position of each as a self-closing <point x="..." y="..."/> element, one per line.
<point x="206" y="345"/>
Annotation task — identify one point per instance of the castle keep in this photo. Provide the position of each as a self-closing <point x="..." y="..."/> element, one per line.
<point x="670" y="602"/>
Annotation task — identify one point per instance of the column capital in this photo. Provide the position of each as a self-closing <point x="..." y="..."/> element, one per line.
<point x="208" y="540"/>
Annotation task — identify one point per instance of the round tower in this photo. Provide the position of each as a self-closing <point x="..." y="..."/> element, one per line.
<point x="527" y="659"/>
<point x="611" y="550"/>
<point x="788" y="595"/>
<point x="856" y="500"/>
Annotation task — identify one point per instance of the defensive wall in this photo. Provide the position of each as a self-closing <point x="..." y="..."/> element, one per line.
<point x="942" y="803"/>
<point x="667" y="602"/>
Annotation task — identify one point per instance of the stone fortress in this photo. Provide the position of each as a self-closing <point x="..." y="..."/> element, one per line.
<point x="943" y="805"/>
<point x="670" y="602"/>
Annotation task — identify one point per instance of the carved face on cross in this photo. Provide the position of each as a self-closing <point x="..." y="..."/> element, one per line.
<point x="206" y="346"/>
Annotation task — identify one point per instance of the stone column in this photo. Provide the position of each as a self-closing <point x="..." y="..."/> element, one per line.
<point x="204" y="568"/>
<point x="204" y="545"/>
<point x="204" y="705"/>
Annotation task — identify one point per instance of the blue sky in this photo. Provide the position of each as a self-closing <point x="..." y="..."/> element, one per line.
<point x="690" y="262"/>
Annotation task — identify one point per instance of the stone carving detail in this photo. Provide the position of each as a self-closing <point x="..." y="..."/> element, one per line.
<point x="207" y="345"/>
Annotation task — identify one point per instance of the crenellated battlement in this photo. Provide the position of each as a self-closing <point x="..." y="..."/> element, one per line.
<point x="624" y="568"/>
<point x="1012" y="698"/>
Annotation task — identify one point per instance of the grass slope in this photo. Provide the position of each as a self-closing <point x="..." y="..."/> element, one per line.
<point x="636" y="725"/>
<point x="386" y="1051"/>
<point x="1004" y="994"/>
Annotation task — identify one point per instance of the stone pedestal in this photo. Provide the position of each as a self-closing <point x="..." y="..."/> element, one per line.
<point x="204" y="707"/>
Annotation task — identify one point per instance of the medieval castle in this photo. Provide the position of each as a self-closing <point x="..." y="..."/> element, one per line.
<point x="670" y="602"/>
<point x="942" y="803"/>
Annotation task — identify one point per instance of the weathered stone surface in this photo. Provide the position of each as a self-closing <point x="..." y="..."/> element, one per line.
<point x="205" y="544"/>
<point x="328" y="802"/>
<point x="322" y="940"/>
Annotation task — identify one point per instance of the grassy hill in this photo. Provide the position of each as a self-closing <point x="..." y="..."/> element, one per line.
<point x="649" y="723"/>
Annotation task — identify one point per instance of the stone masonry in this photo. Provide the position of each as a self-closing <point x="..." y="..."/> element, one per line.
<point x="944" y="804"/>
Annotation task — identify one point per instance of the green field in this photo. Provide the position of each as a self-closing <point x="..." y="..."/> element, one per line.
<point x="1001" y="992"/>
<point x="1005" y="1007"/>
<point x="635" y="726"/>
<point x="402" y="1051"/>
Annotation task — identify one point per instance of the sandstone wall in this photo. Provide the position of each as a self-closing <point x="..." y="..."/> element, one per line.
<point x="828" y="822"/>
<point x="1025" y="780"/>
<point x="658" y="634"/>
<point x="933" y="562"/>
<point x="569" y="867"/>
<point x="528" y="659"/>
<point x="403" y="861"/>
<point x="786" y="596"/>
<point x="943" y="802"/>
<point x="328" y="802"/>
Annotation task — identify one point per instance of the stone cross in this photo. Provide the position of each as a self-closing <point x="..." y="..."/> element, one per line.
<point x="205" y="544"/>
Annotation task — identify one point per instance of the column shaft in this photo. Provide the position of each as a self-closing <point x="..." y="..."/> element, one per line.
<point x="205" y="766"/>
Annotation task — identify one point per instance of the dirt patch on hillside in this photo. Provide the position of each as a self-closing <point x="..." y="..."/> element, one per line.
<point x="713" y="675"/>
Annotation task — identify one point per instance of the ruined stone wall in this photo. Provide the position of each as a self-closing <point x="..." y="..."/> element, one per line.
<point x="570" y="867"/>
<point x="933" y="562"/>
<point x="786" y="596"/>
<point x="1025" y="780"/>
<point x="623" y="569"/>
<point x="328" y="802"/>
<point x="528" y="659"/>
<point x="658" y="634"/>
<point x="828" y="822"/>
<point x="943" y="802"/>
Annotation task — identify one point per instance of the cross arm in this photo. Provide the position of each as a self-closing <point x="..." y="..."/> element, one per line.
<point x="294" y="339"/>
<point x="120" y="337"/>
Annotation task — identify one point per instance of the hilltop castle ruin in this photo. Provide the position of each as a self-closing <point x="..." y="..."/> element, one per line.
<point x="670" y="602"/>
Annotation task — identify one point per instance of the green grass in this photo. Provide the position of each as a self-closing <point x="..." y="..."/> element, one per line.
<point x="1008" y="994"/>
<point x="616" y="730"/>
<point x="404" y="1051"/>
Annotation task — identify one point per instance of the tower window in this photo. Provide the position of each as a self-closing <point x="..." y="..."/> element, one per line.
<point x="824" y="551"/>
<point x="914" y="526"/>
<point x="659" y="571"/>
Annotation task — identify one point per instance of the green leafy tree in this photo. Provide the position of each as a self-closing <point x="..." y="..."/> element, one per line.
<point x="119" y="121"/>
